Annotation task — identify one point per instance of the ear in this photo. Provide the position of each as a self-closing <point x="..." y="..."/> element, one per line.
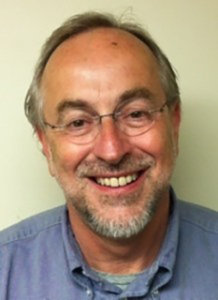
<point x="176" y="120"/>
<point x="176" y="116"/>
<point x="46" y="149"/>
<point x="44" y="142"/>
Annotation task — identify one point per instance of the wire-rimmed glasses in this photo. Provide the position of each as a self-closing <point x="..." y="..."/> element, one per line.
<point x="133" y="119"/>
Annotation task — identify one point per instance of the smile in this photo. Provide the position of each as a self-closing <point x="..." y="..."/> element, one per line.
<point x="117" y="181"/>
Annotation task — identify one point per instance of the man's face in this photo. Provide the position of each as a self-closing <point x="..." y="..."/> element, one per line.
<point x="98" y="69"/>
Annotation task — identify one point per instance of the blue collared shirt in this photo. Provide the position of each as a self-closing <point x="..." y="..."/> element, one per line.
<point x="41" y="260"/>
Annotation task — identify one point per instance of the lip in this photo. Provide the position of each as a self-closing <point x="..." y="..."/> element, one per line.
<point x="121" y="190"/>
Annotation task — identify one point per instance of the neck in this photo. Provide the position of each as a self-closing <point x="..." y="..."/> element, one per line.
<point x="128" y="255"/>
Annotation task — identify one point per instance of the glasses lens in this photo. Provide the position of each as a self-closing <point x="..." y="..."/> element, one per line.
<point x="134" y="119"/>
<point x="135" y="131"/>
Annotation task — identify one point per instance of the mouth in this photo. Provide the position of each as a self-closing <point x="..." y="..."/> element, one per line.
<point x="116" y="182"/>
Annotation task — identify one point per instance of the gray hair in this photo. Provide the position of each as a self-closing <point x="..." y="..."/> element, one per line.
<point x="83" y="23"/>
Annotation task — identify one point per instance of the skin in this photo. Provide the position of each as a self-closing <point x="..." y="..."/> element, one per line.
<point x="99" y="66"/>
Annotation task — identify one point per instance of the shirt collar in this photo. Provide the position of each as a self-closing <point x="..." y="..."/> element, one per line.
<point x="167" y="254"/>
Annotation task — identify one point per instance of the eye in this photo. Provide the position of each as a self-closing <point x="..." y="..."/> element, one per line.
<point x="136" y="112"/>
<point x="139" y="114"/>
<point x="79" y="124"/>
<point x="136" y="117"/>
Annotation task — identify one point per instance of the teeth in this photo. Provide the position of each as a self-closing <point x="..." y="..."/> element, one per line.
<point x="105" y="181"/>
<point x="117" y="181"/>
<point x="122" y="181"/>
<point x="114" y="182"/>
<point x="128" y="179"/>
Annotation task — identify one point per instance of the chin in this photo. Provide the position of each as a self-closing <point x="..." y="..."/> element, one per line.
<point x="120" y="222"/>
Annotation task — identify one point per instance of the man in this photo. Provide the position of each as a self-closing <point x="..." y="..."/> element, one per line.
<point x="105" y="105"/>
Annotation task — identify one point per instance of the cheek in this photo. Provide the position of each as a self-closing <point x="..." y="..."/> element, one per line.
<point x="67" y="157"/>
<point x="158" y="143"/>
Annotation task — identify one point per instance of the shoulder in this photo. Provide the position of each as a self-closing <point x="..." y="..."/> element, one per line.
<point x="198" y="217"/>
<point x="197" y="250"/>
<point x="32" y="226"/>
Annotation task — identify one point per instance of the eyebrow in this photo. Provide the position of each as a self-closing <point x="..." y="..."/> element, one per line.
<point x="69" y="104"/>
<point x="127" y="96"/>
<point x="136" y="93"/>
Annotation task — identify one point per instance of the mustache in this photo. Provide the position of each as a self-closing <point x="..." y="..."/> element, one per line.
<point x="128" y="164"/>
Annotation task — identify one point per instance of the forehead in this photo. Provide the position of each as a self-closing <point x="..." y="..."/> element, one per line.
<point x="106" y="41"/>
<point x="103" y="62"/>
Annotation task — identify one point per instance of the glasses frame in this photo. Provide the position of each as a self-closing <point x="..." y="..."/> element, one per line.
<point x="115" y="115"/>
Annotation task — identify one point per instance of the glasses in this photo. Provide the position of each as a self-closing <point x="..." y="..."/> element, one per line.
<point x="133" y="119"/>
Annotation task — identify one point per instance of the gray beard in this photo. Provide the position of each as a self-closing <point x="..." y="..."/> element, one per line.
<point x="122" y="229"/>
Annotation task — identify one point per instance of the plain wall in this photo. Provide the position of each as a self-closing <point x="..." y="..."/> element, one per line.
<point x="186" y="31"/>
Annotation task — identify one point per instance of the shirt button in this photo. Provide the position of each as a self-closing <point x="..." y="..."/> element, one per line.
<point x="155" y="293"/>
<point x="88" y="292"/>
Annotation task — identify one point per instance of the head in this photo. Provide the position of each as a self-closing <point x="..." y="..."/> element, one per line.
<point x="97" y="65"/>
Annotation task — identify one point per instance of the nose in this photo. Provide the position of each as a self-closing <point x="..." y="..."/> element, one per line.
<point x="111" y="144"/>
